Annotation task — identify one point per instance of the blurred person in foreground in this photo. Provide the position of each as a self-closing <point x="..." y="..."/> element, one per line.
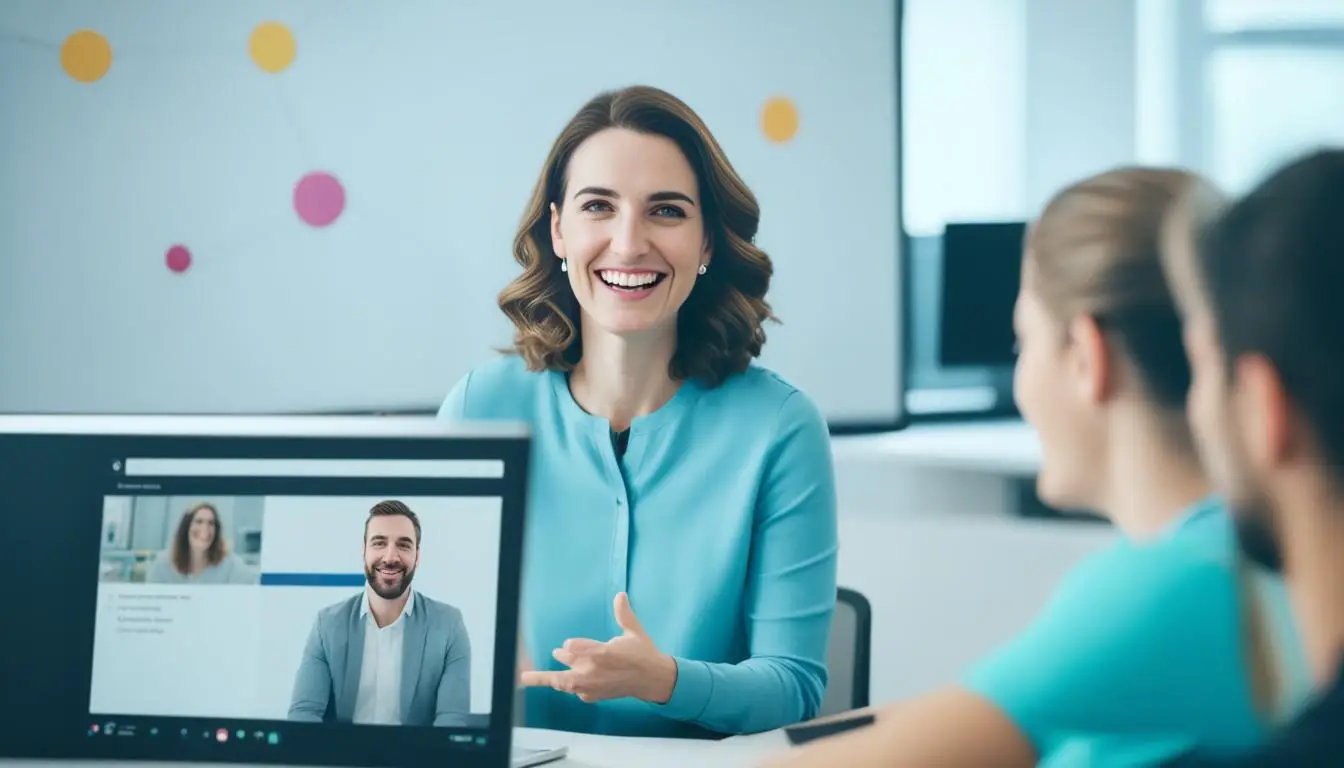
<point x="1168" y="639"/>
<point x="1263" y="299"/>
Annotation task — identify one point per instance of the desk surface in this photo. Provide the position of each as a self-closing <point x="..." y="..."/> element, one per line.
<point x="588" y="751"/>
<point x="997" y="447"/>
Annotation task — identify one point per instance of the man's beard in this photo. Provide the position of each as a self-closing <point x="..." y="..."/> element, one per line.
<point x="398" y="586"/>
<point x="1256" y="536"/>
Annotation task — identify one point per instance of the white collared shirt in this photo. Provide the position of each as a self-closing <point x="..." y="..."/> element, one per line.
<point x="379" y="698"/>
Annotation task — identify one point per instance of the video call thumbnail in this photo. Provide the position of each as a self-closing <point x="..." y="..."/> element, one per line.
<point x="376" y="611"/>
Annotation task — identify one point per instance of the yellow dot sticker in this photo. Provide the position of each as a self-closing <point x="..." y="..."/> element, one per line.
<point x="272" y="47"/>
<point x="779" y="119"/>
<point x="86" y="56"/>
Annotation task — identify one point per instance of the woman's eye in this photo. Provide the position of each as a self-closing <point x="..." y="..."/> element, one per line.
<point x="597" y="206"/>
<point x="669" y="211"/>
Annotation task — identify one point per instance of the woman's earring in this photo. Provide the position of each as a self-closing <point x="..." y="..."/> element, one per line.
<point x="564" y="265"/>
<point x="704" y="268"/>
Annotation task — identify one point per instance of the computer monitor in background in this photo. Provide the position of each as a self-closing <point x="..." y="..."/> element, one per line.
<point x="982" y="265"/>
<point x="200" y="588"/>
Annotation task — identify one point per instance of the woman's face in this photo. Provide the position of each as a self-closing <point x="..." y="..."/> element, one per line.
<point x="631" y="231"/>
<point x="203" y="529"/>
<point x="1051" y="393"/>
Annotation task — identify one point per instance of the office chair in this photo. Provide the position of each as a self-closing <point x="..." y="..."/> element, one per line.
<point x="848" y="655"/>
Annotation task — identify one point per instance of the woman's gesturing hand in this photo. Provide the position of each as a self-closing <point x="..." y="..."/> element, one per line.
<point x="628" y="665"/>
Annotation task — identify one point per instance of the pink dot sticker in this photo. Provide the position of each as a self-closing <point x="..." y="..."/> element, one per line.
<point x="178" y="259"/>
<point x="319" y="199"/>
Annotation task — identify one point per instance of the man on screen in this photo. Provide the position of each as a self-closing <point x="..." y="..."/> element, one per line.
<point x="389" y="655"/>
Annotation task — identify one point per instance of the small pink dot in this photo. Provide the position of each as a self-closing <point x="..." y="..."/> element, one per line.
<point x="319" y="198"/>
<point x="178" y="258"/>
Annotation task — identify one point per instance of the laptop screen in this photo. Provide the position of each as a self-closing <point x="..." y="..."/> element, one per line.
<point x="281" y="599"/>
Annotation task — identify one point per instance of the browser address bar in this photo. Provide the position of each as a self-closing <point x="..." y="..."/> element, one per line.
<point x="351" y="468"/>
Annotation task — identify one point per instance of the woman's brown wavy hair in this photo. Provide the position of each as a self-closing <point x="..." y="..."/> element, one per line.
<point x="219" y="548"/>
<point x="720" y="328"/>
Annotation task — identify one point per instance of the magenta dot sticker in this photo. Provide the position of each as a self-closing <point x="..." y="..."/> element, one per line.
<point x="178" y="258"/>
<point x="319" y="199"/>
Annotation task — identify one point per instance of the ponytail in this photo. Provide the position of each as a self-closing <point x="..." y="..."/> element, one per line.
<point x="1262" y="653"/>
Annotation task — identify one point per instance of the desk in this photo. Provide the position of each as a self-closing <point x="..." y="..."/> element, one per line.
<point x="1009" y="448"/>
<point x="588" y="751"/>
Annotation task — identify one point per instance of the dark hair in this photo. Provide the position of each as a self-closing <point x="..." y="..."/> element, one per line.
<point x="393" y="508"/>
<point x="1096" y="250"/>
<point x="182" y="539"/>
<point x="720" y="327"/>
<point x="1274" y="270"/>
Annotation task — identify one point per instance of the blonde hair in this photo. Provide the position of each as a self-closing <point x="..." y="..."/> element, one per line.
<point x="1094" y="251"/>
<point x="1198" y="207"/>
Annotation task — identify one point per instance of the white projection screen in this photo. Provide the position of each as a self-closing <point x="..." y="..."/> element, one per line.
<point x="268" y="206"/>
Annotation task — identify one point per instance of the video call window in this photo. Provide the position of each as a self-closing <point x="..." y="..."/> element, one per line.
<point x="181" y="540"/>
<point x="289" y="608"/>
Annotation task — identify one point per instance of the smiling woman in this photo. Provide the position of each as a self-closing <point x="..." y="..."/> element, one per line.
<point x="198" y="553"/>
<point x="658" y="442"/>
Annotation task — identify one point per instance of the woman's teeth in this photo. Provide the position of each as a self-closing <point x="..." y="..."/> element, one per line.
<point x="631" y="280"/>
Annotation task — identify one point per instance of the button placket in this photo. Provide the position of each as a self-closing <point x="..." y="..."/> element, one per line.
<point x="619" y="563"/>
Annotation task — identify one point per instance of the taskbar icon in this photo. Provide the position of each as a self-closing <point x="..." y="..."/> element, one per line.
<point x="220" y="735"/>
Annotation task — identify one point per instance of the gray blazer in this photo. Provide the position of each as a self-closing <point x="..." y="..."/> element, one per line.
<point x="435" y="665"/>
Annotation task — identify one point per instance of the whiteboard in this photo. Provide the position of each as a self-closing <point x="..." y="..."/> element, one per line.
<point x="259" y="206"/>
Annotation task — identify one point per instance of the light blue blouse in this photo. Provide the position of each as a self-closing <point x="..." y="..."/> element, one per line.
<point x="719" y="522"/>
<point x="230" y="570"/>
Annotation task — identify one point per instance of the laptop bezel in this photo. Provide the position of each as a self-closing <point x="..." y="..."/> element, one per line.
<point x="70" y="442"/>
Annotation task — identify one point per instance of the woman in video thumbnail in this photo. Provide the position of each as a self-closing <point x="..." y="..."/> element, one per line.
<point x="199" y="553"/>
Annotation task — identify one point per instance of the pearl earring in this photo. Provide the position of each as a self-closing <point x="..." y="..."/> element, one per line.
<point x="704" y="268"/>
<point x="564" y="265"/>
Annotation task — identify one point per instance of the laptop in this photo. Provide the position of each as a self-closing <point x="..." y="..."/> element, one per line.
<point x="295" y="591"/>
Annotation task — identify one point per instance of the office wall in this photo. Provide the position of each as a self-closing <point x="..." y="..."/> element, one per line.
<point x="951" y="574"/>
<point x="271" y="206"/>
<point x="965" y="93"/>
<point x="1007" y="102"/>
<point x="1081" y="92"/>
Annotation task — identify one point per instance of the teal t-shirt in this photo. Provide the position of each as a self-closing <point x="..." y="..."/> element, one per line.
<point x="1142" y="654"/>
<point x="719" y="521"/>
